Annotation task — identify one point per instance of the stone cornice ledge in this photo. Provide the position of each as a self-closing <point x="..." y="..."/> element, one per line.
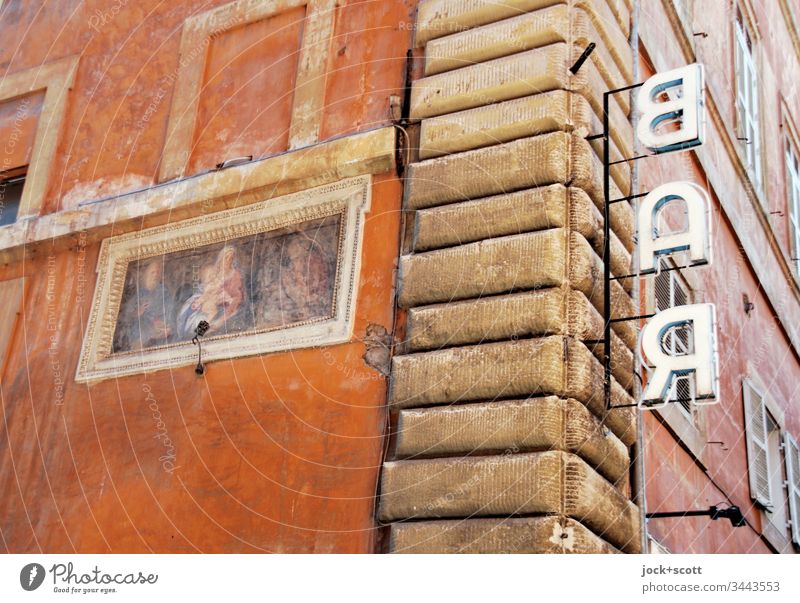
<point x="371" y="152"/>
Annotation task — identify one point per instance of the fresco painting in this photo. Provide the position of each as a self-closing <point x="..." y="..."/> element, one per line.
<point x="267" y="281"/>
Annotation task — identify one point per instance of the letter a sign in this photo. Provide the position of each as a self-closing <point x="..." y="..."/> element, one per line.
<point x="673" y="124"/>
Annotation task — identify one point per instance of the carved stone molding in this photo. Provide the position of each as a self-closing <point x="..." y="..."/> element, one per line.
<point x="55" y="79"/>
<point x="309" y="83"/>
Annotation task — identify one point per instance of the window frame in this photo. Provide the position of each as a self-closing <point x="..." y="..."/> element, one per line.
<point x="753" y="440"/>
<point x="12" y="177"/>
<point x="792" y="166"/>
<point x="747" y="95"/>
<point x="791" y="455"/>
<point x="779" y="537"/>
<point x="55" y="79"/>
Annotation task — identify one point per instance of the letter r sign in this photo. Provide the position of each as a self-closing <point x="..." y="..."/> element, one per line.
<point x="701" y="360"/>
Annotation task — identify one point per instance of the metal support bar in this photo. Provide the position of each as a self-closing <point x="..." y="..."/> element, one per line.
<point x="647" y="406"/>
<point x="627" y="318"/>
<point x="629" y="198"/>
<point x="630" y="159"/>
<point x="582" y="59"/>
<point x="625" y="89"/>
<point x="616" y="278"/>
<point x="705" y="513"/>
<point x="607" y="242"/>
<point x="731" y="513"/>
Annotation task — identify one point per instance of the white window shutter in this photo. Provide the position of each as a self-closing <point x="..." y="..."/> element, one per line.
<point x="757" y="457"/>
<point x="792" y="456"/>
<point x="747" y="103"/>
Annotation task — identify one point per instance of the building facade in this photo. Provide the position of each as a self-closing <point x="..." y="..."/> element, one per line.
<point x="327" y="276"/>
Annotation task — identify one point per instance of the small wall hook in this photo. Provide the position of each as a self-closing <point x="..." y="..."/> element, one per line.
<point x="748" y="305"/>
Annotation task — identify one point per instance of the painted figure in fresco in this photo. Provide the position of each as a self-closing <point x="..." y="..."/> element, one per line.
<point x="256" y="282"/>
<point x="220" y="299"/>
<point x="304" y="279"/>
<point x="148" y="312"/>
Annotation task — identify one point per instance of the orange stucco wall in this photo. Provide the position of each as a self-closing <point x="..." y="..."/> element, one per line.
<point x="273" y="453"/>
<point x="117" y="112"/>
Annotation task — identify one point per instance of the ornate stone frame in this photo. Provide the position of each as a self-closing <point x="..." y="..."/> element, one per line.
<point x="309" y="84"/>
<point x="350" y="198"/>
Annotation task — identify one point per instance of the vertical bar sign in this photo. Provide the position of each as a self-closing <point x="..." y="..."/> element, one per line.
<point x="671" y="107"/>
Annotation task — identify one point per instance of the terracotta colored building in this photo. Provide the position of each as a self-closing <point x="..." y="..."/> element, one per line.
<point x="327" y="276"/>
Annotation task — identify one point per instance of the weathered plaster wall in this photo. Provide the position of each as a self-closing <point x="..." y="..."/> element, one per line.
<point x="273" y="453"/>
<point x="750" y="250"/>
<point x="117" y="116"/>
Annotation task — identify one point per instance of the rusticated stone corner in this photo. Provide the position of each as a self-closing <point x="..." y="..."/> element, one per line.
<point x="543" y="535"/>
<point x="515" y="484"/>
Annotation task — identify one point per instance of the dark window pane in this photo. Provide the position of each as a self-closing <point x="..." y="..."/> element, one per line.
<point x="10" y="196"/>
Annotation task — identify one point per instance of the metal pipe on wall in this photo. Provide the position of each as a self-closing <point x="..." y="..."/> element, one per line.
<point x="639" y="460"/>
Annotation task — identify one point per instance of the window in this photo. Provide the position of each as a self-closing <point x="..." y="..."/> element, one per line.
<point x="671" y="291"/>
<point x="773" y="461"/>
<point x="684" y="8"/>
<point x="792" y="453"/>
<point x="776" y="513"/>
<point x="10" y="197"/>
<point x="755" y="413"/>
<point x="793" y="184"/>
<point x="747" y="99"/>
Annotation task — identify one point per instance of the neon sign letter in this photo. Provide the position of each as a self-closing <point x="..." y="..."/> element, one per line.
<point x="697" y="236"/>
<point x="685" y="112"/>
<point x="701" y="359"/>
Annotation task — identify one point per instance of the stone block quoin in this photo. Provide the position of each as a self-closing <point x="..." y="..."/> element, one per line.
<point x="499" y="411"/>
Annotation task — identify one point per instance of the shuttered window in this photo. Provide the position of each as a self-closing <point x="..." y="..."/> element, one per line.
<point x="793" y="184"/>
<point x="755" y="414"/>
<point x="684" y="8"/>
<point x="792" y="458"/>
<point x="747" y="100"/>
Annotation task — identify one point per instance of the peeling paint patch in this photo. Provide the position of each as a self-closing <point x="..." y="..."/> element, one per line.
<point x="104" y="187"/>
<point x="378" y="343"/>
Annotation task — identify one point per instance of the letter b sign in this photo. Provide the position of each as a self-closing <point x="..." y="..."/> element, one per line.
<point x="677" y="123"/>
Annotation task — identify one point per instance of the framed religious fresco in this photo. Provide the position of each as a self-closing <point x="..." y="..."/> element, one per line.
<point x="274" y="275"/>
